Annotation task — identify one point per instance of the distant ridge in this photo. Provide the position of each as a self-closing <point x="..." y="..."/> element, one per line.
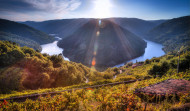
<point x="24" y="31"/>
<point x="137" y="26"/>
<point x="63" y="28"/>
<point x="66" y="27"/>
<point x="172" y="34"/>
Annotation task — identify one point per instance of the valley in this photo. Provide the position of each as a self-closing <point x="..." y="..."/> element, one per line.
<point x="102" y="64"/>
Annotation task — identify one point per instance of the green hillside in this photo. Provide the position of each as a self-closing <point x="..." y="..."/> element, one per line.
<point x="172" y="34"/>
<point x="118" y="97"/>
<point x="24" y="31"/>
<point x="20" y="40"/>
<point x="28" y="69"/>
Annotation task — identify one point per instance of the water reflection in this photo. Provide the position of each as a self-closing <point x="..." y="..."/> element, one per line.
<point x="152" y="50"/>
<point x="53" y="49"/>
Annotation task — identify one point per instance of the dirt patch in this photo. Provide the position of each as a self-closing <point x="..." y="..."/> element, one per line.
<point x="170" y="86"/>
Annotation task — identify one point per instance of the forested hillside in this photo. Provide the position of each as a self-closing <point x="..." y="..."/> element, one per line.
<point x="24" y="31"/>
<point x="172" y="34"/>
<point x="20" y="40"/>
<point x="137" y="26"/>
<point x="112" y="97"/>
<point x="62" y="28"/>
<point x="24" y="68"/>
<point x="103" y="44"/>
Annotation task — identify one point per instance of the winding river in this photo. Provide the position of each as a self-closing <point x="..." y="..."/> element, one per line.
<point x="53" y="49"/>
<point x="152" y="50"/>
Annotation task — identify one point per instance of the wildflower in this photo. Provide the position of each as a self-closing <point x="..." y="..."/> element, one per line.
<point x="128" y="109"/>
<point x="5" y="102"/>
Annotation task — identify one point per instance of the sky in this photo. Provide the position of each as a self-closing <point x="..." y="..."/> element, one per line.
<point x="40" y="10"/>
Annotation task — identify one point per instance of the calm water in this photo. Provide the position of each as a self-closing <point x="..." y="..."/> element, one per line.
<point x="52" y="48"/>
<point x="153" y="50"/>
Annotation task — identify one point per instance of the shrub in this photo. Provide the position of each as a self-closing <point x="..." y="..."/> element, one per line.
<point x="57" y="60"/>
<point x="147" y="61"/>
<point x="169" y="57"/>
<point x="159" y="70"/>
<point x="120" y="79"/>
<point x="130" y="64"/>
<point x="116" y="70"/>
<point x="108" y="76"/>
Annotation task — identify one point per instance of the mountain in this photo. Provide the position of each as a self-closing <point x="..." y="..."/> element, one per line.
<point x="137" y="26"/>
<point x="172" y="34"/>
<point x="20" y="40"/>
<point x="102" y="43"/>
<point x="63" y="28"/>
<point x="66" y="27"/>
<point x="24" y="31"/>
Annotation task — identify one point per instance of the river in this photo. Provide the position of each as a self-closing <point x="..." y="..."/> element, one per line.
<point x="152" y="50"/>
<point x="53" y="49"/>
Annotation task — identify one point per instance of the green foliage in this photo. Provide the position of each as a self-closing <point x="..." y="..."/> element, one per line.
<point x="173" y="34"/>
<point x="20" y="40"/>
<point x="159" y="70"/>
<point x="119" y="79"/>
<point x="107" y="76"/>
<point x="23" y="31"/>
<point x="57" y="60"/>
<point x="10" y="54"/>
<point x="147" y="61"/>
<point x="10" y="79"/>
<point x="36" y="70"/>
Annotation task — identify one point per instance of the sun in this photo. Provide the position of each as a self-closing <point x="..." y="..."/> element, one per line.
<point x="102" y="8"/>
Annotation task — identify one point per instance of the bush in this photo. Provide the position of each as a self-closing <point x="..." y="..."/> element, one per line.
<point x="173" y="63"/>
<point x="159" y="70"/>
<point x="108" y="76"/>
<point x="11" y="57"/>
<point x="147" y="61"/>
<point x="130" y="64"/>
<point x="169" y="57"/>
<point x="120" y="79"/>
<point x="57" y="60"/>
<point x="116" y="70"/>
<point x="156" y="59"/>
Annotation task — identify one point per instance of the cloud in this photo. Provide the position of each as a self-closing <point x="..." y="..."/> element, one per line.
<point x="55" y="6"/>
<point x="42" y="9"/>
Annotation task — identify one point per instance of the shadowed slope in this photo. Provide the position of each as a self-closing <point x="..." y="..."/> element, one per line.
<point x="24" y="31"/>
<point x="137" y="26"/>
<point x="63" y="28"/>
<point x="102" y="43"/>
<point x="172" y="34"/>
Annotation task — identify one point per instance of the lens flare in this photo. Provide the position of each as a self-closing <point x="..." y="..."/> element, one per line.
<point x="99" y="22"/>
<point x="97" y="33"/>
<point x="94" y="61"/>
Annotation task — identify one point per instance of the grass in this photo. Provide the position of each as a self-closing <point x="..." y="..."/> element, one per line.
<point x="119" y="97"/>
<point x="103" y="98"/>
